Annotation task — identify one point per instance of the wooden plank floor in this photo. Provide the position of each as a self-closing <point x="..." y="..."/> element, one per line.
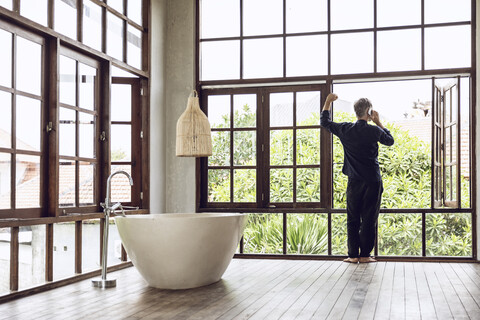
<point x="275" y="289"/>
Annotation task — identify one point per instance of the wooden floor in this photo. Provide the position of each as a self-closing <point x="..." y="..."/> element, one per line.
<point x="275" y="289"/>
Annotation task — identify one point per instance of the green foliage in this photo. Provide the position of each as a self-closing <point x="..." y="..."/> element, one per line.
<point x="406" y="172"/>
<point x="306" y="234"/>
<point x="118" y="155"/>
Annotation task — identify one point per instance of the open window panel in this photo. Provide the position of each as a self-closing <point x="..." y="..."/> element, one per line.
<point x="126" y="139"/>
<point x="446" y="142"/>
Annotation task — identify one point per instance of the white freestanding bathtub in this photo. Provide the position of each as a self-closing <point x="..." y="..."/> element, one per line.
<point x="181" y="250"/>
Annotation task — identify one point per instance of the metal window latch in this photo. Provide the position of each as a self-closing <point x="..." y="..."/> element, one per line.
<point x="102" y="136"/>
<point x="49" y="126"/>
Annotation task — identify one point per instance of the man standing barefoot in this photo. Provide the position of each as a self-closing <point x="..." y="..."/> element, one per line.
<point x="365" y="187"/>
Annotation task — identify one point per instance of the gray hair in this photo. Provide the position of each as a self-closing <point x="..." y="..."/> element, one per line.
<point x="361" y="106"/>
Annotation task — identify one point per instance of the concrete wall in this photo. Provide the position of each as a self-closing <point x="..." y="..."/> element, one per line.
<point x="173" y="77"/>
<point x="157" y="106"/>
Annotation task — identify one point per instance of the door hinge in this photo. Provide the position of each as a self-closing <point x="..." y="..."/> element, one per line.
<point x="141" y="134"/>
<point x="442" y="98"/>
<point x="141" y="195"/>
<point x="263" y="147"/>
<point x="141" y="91"/>
<point x="263" y="196"/>
<point x="263" y="98"/>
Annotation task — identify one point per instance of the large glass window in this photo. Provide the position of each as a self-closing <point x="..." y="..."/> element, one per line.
<point x="286" y="142"/>
<point x="58" y="123"/>
<point x="245" y="40"/>
<point x="412" y="59"/>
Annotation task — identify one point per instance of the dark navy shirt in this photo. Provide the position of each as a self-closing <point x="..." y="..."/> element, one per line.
<point x="360" y="145"/>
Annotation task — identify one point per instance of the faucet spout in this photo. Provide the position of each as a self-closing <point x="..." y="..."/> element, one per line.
<point x="107" y="196"/>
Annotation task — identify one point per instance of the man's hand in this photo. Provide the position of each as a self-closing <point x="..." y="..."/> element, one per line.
<point x="328" y="102"/>
<point x="376" y="119"/>
<point x="332" y="97"/>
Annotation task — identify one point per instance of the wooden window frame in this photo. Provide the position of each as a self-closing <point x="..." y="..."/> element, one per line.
<point x="329" y="32"/>
<point x="329" y="79"/>
<point x="262" y="165"/>
<point x="137" y="136"/>
<point x="50" y="213"/>
<point x="35" y="211"/>
<point x="96" y="113"/>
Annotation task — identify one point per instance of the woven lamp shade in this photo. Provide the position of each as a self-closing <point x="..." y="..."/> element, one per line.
<point x="194" y="138"/>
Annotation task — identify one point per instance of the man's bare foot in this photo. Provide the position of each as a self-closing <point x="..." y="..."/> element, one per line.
<point x="367" y="259"/>
<point x="351" y="260"/>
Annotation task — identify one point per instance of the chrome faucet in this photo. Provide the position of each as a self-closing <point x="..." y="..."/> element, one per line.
<point x="107" y="196"/>
<point x="108" y="208"/>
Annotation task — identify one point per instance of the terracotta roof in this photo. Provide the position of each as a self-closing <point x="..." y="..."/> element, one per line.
<point x="29" y="188"/>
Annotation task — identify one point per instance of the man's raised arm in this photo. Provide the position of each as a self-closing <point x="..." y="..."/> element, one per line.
<point x="325" y="120"/>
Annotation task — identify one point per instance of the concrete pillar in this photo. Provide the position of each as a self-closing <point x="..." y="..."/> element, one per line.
<point x="179" y="83"/>
<point x="157" y="106"/>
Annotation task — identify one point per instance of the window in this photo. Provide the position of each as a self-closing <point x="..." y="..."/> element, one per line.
<point x="287" y="54"/>
<point x="266" y="147"/>
<point x="253" y="41"/>
<point x="51" y="147"/>
<point x="126" y="139"/>
<point x="124" y="38"/>
<point x="78" y="118"/>
<point x="447" y="143"/>
<point x="22" y="98"/>
<point x="58" y="123"/>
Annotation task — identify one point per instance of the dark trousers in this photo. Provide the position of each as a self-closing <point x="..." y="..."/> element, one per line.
<point x="363" y="205"/>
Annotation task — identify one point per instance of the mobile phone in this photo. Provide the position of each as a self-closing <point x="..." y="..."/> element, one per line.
<point x="370" y="111"/>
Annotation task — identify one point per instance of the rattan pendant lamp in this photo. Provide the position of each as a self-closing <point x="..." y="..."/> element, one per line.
<point x="194" y="138"/>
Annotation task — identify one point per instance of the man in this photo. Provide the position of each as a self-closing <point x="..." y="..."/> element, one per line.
<point x="365" y="187"/>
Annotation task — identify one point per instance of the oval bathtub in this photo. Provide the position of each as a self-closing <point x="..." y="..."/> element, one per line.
<point x="181" y="250"/>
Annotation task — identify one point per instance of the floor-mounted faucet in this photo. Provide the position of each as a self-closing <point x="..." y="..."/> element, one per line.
<point x="108" y="208"/>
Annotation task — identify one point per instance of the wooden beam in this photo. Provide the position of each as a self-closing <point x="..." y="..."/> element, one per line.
<point x="78" y="246"/>
<point x="49" y="253"/>
<point x="14" y="252"/>
<point x="51" y="173"/>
